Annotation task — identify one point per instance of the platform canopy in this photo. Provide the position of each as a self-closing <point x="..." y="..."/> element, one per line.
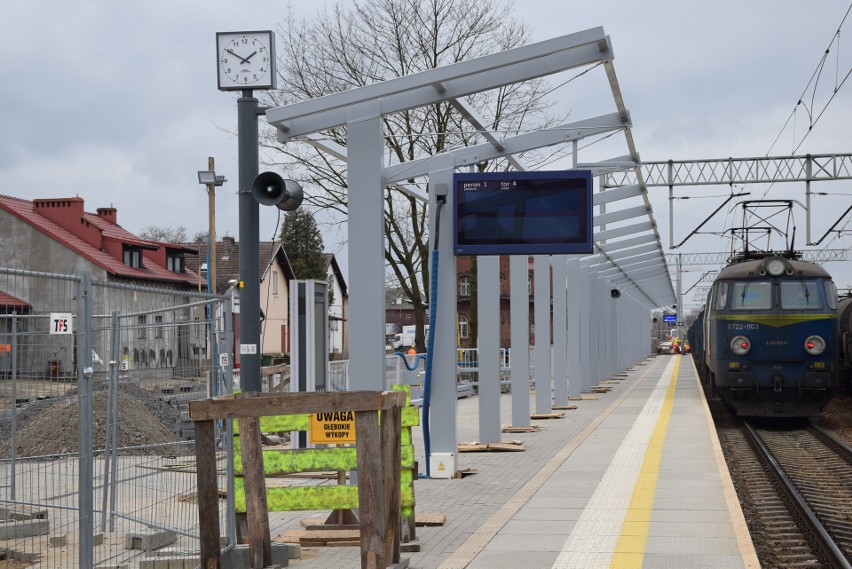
<point x="622" y="234"/>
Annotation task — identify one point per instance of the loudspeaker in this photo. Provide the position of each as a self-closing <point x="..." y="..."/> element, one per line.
<point x="615" y="293"/>
<point x="269" y="188"/>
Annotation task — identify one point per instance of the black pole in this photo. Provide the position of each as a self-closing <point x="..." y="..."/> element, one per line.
<point x="247" y="133"/>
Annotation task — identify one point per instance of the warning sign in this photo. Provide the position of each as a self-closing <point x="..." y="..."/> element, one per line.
<point x="336" y="427"/>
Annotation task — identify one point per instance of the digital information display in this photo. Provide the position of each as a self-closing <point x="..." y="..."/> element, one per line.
<point x="523" y="213"/>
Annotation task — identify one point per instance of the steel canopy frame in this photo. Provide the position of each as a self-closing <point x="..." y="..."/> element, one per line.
<point x="444" y="83"/>
<point x="361" y="111"/>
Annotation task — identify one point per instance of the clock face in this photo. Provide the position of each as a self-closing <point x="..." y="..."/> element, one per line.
<point x="246" y="60"/>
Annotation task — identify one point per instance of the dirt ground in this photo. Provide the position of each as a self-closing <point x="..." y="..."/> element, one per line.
<point x="50" y="426"/>
<point x="837" y="417"/>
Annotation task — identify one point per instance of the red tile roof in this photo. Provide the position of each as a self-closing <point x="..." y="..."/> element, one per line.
<point x="228" y="260"/>
<point x="24" y="210"/>
<point x="9" y="301"/>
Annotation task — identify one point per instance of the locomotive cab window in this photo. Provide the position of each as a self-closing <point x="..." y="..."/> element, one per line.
<point x="721" y="297"/>
<point x="798" y="294"/>
<point x="751" y="295"/>
<point x="831" y="294"/>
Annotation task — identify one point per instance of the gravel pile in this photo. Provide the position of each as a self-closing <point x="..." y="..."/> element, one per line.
<point x="49" y="426"/>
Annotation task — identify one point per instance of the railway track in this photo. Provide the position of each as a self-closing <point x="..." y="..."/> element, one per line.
<point x="814" y="472"/>
<point x="778" y="536"/>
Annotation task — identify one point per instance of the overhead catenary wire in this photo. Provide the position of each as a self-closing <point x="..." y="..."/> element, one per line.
<point x="814" y="80"/>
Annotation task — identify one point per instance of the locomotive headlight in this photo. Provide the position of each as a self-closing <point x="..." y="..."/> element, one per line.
<point x="740" y="345"/>
<point x="814" y="345"/>
<point x="776" y="267"/>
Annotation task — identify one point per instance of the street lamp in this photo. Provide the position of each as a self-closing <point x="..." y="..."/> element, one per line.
<point x="211" y="180"/>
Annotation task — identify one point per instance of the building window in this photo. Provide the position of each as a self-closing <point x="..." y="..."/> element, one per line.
<point x="174" y="262"/>
<point x="141" y="321"/>
<point x="464" y="286"/>
<point x="158" y="331"/>
<point x="464" y="327"/>
<point x="274" y="282"/>
<point x="132" y="256"/>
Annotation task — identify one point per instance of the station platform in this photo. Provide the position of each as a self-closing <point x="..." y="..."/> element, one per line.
<point x="630" y="478"/>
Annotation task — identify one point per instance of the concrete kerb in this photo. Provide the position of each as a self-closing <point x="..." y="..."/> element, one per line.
<point x="24" y="528"/>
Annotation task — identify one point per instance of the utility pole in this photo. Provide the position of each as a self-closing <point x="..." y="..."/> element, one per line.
<point x="211" y="231"/>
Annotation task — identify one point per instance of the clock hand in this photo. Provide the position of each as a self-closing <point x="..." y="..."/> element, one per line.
<point x="242" y="60"/>
<point x="252" y="54"/>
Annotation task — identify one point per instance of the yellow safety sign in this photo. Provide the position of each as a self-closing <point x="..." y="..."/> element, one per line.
<point x="335" y="427"/>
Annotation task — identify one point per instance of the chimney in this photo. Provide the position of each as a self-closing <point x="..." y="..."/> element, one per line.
<point x="228" y="239"/>
<point x="66" y="212"/>
<point x="108" y="213"/>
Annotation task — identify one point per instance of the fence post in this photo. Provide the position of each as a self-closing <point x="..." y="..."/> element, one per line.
<point x="14" y="355"/>
<point x="84" y="419"/>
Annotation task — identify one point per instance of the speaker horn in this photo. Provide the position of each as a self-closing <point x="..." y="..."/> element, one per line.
<point x="269" y="188"/>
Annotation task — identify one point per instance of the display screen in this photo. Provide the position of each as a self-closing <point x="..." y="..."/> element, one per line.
<point x="523" y="213"/>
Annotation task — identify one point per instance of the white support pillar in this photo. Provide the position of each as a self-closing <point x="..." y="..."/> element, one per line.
<point x="443" y="410"/>
<point x="488" y="311"/>
<point x="560" y="330"/>
<point x="585" y="328"/>
<point x="600" y="323"/>
<point x="541" y="265"/>
<point x="367" y="247"/>
<point x="575" y="365"/>
<point x="519" y="322"/>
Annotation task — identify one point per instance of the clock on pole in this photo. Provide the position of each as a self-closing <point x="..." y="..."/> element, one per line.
<point x="246" y="60"/>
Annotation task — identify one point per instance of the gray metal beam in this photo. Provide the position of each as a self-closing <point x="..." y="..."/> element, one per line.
<point x="514" y="145"/>
<point x="716" y="258"/>
<point x="620" y="215"/>
<point x="366" y="236"/>
<point x="615" y="194"/>
<point x="727" y="171"/>
<point x="622" y="231"/>
<point x="457" y="80"/>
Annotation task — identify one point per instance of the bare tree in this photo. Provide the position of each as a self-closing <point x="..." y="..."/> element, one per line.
<point x="376" y="40"/>
<point x="164" y="234"/>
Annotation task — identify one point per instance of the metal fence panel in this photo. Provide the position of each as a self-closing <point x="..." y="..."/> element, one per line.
<point x="133" y="358"/>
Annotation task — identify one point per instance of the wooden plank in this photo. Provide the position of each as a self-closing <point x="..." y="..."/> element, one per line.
<point x="261" y="404"/>
<point x="260" y="547"/>
<point x="326" y="536"/>
<point x="426" y="520"/>
<point x="492" y="447"/>
<point x="307" y="497"/>
<point x="208" y="491"/>
<point x="544" y="416"/>
<point x="390" y="434"/>
<point x="564" y="407"/>
<point x="530" y="429"/>
<point x="370" y="490"/>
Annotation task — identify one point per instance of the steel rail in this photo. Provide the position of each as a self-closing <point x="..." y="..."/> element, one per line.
<point x="838" y="445"/>
<point x="834" y="555"/>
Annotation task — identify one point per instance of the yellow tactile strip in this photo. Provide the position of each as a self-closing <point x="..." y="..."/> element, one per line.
<point x="598" y="532"/>
<point x="630" y="550"/>
<point x="468" y="551"/>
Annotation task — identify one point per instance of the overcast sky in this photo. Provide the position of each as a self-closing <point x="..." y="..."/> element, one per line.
<point x="117" y="102"/>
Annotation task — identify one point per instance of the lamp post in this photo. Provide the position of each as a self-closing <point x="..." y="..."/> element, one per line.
<point x="211" y="180"/>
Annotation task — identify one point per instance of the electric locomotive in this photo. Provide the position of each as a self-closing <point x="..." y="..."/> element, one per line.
<point x="844" y="343"/>
<point x="769" y="336"/>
